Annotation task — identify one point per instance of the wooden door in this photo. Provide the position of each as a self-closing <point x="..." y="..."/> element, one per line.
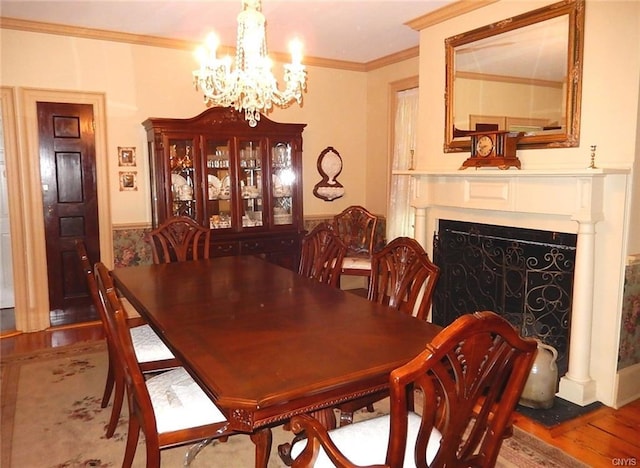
<point x="68" y="172"/>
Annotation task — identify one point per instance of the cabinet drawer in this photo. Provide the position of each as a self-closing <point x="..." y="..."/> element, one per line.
<point x="284" y="244"/>
<point x="253" y="246"/>
<point x="274" y="244"/>
<point x="224" y="249"/>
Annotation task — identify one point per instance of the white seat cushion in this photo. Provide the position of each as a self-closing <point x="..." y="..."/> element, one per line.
<point x="179" y="402"/>
<point x="148" y="346"/>
<point x="365" y="442"/>
<point x="356" y="263"/>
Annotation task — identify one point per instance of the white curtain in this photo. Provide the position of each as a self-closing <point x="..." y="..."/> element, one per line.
<point x="400" y="214"/>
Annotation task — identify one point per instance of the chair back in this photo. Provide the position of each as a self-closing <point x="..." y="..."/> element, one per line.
<point x="402" y="273"/>
<point x="137" y="393"/>
<point x="322" y="255"/>
<point x="471" y="377"/>
<point x="356" y="227"/>
<point x="179" y="239"/>
<point x="85" y="263"/>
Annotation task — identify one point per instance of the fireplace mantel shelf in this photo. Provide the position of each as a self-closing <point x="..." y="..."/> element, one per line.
<point x="565" y="172"/>
<point x="574" y="193"/>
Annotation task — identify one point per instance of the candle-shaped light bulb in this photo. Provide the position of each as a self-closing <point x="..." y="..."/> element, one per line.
<point x="227" y="62"/>
<point x="212" y="42"/>
<point x="201" y="56"/>
<point x="295" y="47"/>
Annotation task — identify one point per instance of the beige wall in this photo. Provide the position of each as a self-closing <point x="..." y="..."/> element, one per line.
<point x="143" y="81"/>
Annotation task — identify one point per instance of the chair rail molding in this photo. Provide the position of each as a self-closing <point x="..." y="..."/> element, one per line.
<point x="562" y="200"/>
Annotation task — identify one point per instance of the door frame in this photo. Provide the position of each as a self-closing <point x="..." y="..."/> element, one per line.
<point x="12" y="164"/>
<point x="30" y="258"/>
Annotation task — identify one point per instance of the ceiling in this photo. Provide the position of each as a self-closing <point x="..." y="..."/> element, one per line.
<point x="350" y="30"/>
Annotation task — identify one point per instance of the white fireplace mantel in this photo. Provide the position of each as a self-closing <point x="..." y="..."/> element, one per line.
<point x="562" y="200"/>
<point x="576" y="193"/>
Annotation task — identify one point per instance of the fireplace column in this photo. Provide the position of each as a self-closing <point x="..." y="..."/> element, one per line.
<point x="576" y="385"/>
<point x="420" y="226"/>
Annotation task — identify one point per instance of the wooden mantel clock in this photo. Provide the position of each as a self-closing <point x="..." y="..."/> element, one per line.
<point x="494" y="148"/>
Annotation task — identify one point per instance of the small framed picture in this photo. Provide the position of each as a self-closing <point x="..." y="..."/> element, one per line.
<point x="128" y="181"/>
<point x="126" y="156"/>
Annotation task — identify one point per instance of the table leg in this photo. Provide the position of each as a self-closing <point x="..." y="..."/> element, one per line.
<point x="262" y="440"/>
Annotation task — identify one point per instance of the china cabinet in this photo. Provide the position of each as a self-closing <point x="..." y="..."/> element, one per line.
<point x="244" y="183"/>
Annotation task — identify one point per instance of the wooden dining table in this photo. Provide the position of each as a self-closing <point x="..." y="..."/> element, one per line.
<point x="266" y="343"/>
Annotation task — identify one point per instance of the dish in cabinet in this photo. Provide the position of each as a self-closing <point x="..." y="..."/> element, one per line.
<point x="214" y="185"/>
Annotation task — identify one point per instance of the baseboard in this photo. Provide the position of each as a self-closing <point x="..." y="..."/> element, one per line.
<point x="627" y="386"/>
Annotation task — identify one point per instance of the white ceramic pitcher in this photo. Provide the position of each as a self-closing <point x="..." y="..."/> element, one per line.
<point x="540" y="389"/>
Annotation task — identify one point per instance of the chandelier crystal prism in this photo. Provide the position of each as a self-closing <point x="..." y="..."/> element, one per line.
<point x="250" y="85"/>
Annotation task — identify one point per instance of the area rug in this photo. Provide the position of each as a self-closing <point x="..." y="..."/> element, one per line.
<point x="51" y="418"/>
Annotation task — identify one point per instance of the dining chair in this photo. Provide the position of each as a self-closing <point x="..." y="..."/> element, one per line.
<point x="179" y="239"/>
<point x="402" y="278"/>
<point x="356" y="227"/>
<point x="170" y="408"/>
<point x="469" y="379"/>
<point x="322" y="255"/>
<point x="151" y="353"/>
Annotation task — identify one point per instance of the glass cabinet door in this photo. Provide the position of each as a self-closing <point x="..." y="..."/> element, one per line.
<point x="182" y="196"/>
<point x="250" y="177"/>
<point x="218" y="181"/>
<point x="282" y="183"/>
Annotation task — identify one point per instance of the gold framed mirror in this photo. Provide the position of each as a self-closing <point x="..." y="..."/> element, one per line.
<point x="521" y="74"/>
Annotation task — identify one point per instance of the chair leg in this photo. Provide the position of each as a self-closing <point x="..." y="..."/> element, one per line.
<point x="108" y="386"/>
<point x="132" y="441"/>
<point x="117" y="407"/>
<point x="153" y="456"/>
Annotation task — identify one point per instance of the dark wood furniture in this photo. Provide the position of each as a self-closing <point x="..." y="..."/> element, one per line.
<point x="470" y="378"/>
<point x="356" y="227"/>
<point x="179" y="239"/>
<point x="243" y="183"/>
<point x="265" y="342"/>
<point x="170" y="408"/>
<point x="151" y="353"/>
<point x="322" y="255"/>
<point x="403" y="278"/>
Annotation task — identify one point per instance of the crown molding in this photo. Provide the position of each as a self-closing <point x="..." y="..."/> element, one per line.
<point x="90" y="33"/>
<point x="447" y="12"/>
<point x="435" y="17"/>
<point x="152" y="41"/>
<point x="393" y="58"/>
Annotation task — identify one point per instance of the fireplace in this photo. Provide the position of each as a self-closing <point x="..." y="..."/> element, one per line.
<point x="567" y="202"/>
<point x="524" y="275"/>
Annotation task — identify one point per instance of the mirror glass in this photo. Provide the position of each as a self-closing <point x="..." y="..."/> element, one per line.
<point x="522" y="74"/>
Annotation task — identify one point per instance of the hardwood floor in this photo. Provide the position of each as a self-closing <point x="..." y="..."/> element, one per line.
<point x="602" y="438"/>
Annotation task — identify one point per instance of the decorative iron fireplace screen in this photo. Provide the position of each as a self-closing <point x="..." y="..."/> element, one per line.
<point x="524" y="275"/>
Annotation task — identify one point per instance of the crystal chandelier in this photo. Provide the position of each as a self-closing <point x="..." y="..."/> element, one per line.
<point x="249" y="86"/>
